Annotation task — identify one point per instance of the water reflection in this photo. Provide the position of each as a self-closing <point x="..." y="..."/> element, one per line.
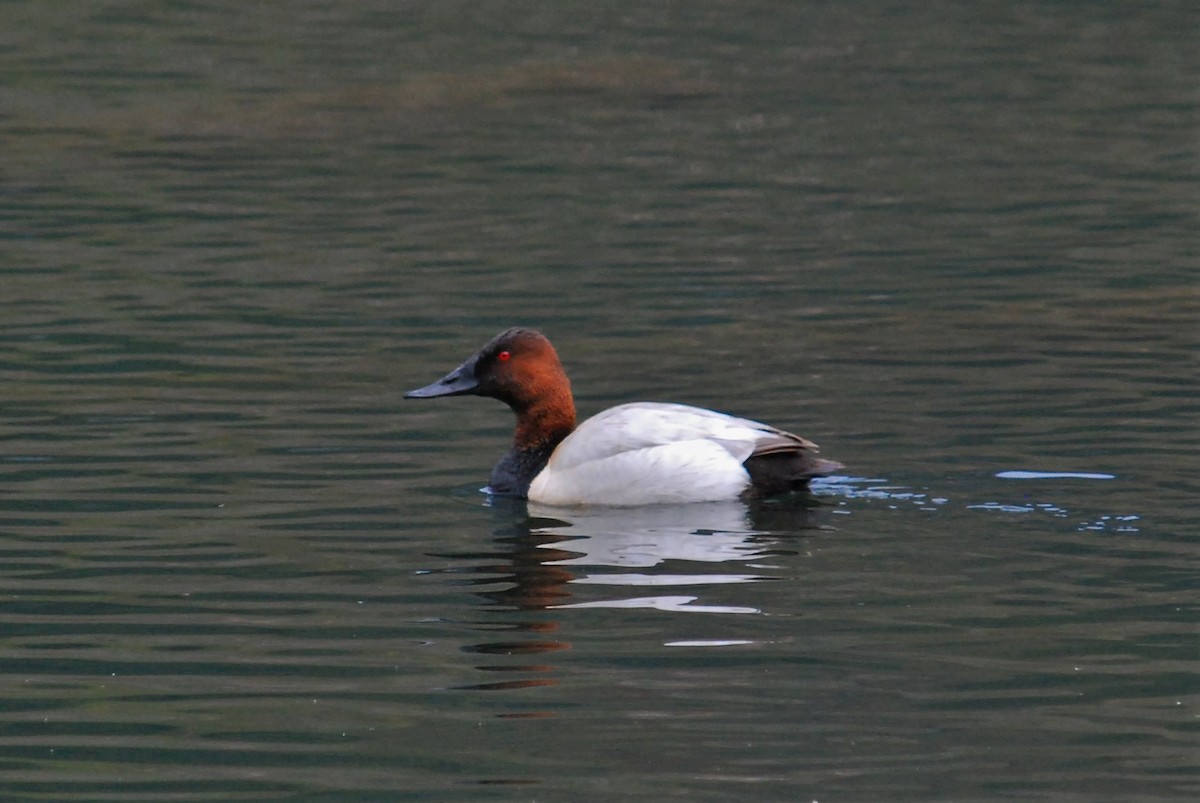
<point x="546" y="560"/>
<point x="651" y="537"/>
<point x="550" y="560"/>
<point x="528" y="584"/>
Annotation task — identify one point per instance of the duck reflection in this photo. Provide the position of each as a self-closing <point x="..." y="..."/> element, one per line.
<point x="530" y="584"/>
<point x="649" y="538"/>
<point x="545" y="557"/>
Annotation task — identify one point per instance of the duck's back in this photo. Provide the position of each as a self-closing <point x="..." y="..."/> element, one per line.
<point x="649" y="453"/>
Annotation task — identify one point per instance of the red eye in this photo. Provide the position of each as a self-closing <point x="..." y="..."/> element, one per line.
<point x="504" y="356"/>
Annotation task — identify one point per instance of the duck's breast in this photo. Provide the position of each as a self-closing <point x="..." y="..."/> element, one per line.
<point x="650" y="453"/>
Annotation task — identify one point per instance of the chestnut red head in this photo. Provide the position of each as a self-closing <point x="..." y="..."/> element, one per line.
<point x="518" y="366"/>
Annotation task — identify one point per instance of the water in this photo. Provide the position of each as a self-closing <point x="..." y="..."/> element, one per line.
<point x="956" y="246"/>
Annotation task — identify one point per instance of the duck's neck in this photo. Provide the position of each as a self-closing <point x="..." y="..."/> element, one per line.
<point x="540" y="428"/>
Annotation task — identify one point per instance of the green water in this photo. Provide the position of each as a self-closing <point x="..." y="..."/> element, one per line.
<point x="956" y="245"/>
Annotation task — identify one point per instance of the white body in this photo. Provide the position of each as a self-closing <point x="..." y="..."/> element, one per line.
<point x="649" y="453"/>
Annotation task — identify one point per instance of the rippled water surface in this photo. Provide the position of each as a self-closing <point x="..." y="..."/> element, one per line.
<point x="956" y="245"/>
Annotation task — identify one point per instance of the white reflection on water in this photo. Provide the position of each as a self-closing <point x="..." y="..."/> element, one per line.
<point x="670" y="579"/>
<point x="649" y="537"/>
<point x="665" y="603"/>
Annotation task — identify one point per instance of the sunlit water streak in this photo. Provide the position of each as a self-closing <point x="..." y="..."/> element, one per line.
<point x="1054" y="475"/>
<point x="878" y="489"/>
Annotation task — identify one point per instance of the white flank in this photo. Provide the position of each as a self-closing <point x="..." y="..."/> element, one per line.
<point x="649" y="453"/>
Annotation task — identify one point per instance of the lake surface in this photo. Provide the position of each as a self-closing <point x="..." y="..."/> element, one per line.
<point x="956" y="245"/>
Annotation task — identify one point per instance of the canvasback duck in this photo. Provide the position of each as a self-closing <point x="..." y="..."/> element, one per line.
<point x="634" y="454"/>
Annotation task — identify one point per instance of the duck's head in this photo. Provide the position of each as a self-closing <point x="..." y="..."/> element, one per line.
<point x="518" y="366"/>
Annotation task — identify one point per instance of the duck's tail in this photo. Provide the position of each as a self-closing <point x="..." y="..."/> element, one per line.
<point x="823" y="468"/>
<point x="783" y="472"/>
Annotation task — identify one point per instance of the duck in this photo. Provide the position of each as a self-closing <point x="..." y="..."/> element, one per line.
<point x="640" y="453"/>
